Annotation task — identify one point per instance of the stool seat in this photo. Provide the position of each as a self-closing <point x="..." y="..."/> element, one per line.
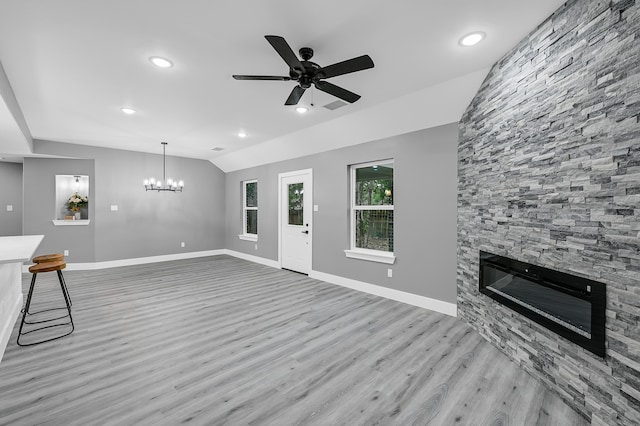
<point x="48" y="258"/>
<point x="47" y="267"/>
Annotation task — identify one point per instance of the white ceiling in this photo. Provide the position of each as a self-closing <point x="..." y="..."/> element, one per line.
<point x="73" y="64"/>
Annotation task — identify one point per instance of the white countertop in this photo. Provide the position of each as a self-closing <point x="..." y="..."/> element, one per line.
<point x="18" y="248"/>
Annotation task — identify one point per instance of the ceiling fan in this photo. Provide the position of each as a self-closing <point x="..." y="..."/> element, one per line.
<point x="307" y="73"/>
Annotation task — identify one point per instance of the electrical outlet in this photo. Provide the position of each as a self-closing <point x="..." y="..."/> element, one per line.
<point x="256" y="247"/>
<point x="182" y="244"/>
<point x="389" y="273"/>
<point x="66" y="252"/>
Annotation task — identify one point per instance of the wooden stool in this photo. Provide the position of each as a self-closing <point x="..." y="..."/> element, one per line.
<point x="56" y="257"/>
<point x="36" y="269"/>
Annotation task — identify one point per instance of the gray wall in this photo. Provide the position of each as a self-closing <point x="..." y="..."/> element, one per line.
<point x="425" y="211"/>
<point x="10" y="194"/>
<point x="40" y="208"/>
<point x="146" y="223"/>
<point x="549" y="173"/>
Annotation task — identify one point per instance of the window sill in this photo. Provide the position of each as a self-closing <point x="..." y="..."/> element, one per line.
<point x="248" y="237"/>
<point x="372" y="256"/>
<point x="82" y="222"/>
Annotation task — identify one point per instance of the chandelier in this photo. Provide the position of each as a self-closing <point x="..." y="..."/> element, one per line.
<point x="171" y="185"/>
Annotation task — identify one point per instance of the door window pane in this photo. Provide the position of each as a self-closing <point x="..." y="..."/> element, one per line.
<point x="296" y="198"/>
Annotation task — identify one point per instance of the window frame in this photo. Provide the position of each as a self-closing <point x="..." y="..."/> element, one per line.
<point x="246" y="235"/>
<point x="362" y="253"/>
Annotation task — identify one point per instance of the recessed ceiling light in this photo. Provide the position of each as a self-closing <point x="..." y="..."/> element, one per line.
<point x="161" y="62"/>
<point x="128" y="110"/>
<point x="472" y="38"/>
<point x="242" y="134"/>
<point x="302" y="110"/>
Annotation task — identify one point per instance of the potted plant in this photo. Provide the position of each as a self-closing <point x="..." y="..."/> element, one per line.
<point x="76" y="203"/>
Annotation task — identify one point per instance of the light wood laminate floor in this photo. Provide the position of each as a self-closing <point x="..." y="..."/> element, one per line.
<point x="220" y="340"/>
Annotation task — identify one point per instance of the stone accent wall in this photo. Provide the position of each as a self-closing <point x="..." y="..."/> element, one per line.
<point x="549" y="173"/>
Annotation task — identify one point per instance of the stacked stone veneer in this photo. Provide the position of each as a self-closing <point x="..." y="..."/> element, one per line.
<point x="549" y="173"/>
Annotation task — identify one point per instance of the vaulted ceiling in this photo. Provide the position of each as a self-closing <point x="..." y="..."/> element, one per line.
<point x="72" y="65"/>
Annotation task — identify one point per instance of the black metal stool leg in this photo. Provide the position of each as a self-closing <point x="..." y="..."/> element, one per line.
<point x="26" y="306"/>
<point x="65" y="290"/>
<point x="66" y="296"/>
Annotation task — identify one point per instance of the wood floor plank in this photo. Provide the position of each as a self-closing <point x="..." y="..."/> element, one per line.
<point x="220" y="340"/>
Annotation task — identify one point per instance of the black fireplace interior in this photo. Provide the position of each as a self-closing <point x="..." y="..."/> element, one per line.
<point x="570" y="306"/>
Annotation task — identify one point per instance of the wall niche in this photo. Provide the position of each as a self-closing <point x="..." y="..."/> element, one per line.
<point x="72" y="200"/>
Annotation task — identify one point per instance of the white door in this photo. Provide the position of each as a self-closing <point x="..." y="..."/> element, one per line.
<point x="295" y="214"/>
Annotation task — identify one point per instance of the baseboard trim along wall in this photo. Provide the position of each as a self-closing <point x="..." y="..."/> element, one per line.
<point x="254" y="259"/>
<point x="137" y="260"/>
<point x="388" y="293"/>
<point x="5" y="333"/>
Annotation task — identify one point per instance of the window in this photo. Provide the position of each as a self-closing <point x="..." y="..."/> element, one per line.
<point x="372" y="212"/>
<point x="249" y="210"/>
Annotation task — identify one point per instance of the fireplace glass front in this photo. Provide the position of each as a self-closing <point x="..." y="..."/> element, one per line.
<point x="571" y="306"/>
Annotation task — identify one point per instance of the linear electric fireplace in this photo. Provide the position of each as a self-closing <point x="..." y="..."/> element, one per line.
<point x="570" y="306"/>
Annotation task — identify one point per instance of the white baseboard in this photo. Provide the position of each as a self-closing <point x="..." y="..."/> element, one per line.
<point x="137" y="260"/>
<point x="163" y="258"/>
<point x="389" y="293"/>
<point x="5" y="333"/>
<point x="254" y="259"/>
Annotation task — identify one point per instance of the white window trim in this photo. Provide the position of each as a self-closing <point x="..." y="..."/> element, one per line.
<point x="248" y="237"/>
<point x="245" y="235"/>
<point x="371" y="255"/>
<point x="360" y="253"/>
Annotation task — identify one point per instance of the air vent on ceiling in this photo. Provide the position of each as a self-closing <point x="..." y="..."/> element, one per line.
<point x="335" y="105"/>
<point x="217" y="148"/>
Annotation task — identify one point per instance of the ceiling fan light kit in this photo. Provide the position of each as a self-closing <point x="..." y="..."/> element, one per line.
<point x="308" y="73"/>
<point x="171" y="185"/>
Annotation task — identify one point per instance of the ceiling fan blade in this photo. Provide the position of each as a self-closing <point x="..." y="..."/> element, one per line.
<point x="345" y="67"/>
<point x="262" y="77"/>
<point x="337" y="91"/>
<point x="295" y="96"/>
<point x="285" y="52"/>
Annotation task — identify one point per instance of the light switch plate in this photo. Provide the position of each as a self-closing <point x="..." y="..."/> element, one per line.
<point x="9" y="208"/>
<point x="315" y="207"/>
<point x="114" y="207"/>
